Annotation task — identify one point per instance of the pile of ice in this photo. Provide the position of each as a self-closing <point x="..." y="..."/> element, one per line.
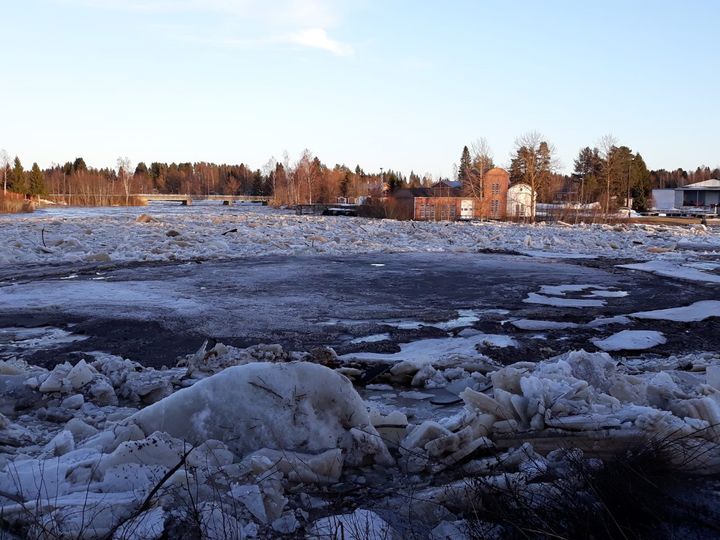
<point x="210" y="360"/>
<point x="219" y="233"/>
<point x="220" y="452"/>
<point x="578" y="399"/>
<point x="242" y="443"/>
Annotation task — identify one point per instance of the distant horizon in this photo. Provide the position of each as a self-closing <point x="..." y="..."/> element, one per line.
<point x="400" y="86"/>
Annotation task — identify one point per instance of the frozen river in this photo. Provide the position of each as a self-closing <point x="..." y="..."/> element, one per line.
<point x="458" y="363"/>
<point x="362" y="304"/>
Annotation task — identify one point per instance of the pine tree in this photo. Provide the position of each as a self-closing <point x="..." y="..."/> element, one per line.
<point x="257" y="184"/>
<point x="465" y="168"/>
<point x="642" y="187"/>
<point x="19" y="182"/>
<point x="79" y="165"/>
<point x="36" y="181"/>
<point x="588" y="173"/>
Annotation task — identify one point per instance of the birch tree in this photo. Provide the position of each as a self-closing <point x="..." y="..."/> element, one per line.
<point x="5" y="161"/>
<point x="124" y="173"/>
<point x="533" y="163"/>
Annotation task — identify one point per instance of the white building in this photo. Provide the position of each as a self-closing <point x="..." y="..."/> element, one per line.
<point x="698" y="198"/>
<point x="663" y="199"/>
<point x="520" y="201"/>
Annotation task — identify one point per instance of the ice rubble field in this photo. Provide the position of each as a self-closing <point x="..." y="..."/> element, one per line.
<point x="197" y="232"/>
<point x="262" y="443"/>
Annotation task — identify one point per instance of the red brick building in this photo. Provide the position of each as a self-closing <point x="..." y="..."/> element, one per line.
<point x="448" y="201"/>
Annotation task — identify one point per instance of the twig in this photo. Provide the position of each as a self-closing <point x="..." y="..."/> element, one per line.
<point x="146" y="503"/>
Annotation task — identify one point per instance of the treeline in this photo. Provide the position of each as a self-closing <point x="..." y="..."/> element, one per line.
<point x="307" y="180"/>
<point x="606" y="173"/>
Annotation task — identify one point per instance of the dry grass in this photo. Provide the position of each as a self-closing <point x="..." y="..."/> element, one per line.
<point x="12" y="203"/>
<point x="642" y="493"/>
<point x="98" y="200"/>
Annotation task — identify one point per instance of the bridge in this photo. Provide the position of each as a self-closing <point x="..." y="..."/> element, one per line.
<point x="186" y="199"/>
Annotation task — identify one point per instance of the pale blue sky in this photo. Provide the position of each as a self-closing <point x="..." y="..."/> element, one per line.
<point x="396" y="84"/>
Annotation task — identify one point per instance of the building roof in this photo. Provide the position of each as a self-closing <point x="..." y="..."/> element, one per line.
<point x="447" y="183"/>
<point x="706" y="184"/>
<point x="413" y="192"/>
<point x="519" y="185"/>
<point x="497" y="170"/>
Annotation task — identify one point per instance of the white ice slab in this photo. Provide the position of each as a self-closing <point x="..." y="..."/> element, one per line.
<point x="374" y="338"/>
<point x="535" y="298"/>
<point x="699" y="311"/>
<point x="533" y="324"/>
<point x="631" y="340"/>
<point x="668" y="269"/>
<point x="428" y="351"/>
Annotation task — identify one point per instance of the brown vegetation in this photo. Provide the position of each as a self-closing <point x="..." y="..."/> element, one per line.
<point x="14" y="203"/>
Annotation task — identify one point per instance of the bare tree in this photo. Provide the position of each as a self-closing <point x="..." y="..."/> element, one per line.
<point x="607" y="145"/>
<point x="481" y="163"/>
<point x="533" y="163"/>
<point x="5" y="161"/>
<point x="125" y="173"/>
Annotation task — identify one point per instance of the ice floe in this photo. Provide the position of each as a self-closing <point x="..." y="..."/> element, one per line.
<point x="429" y="351"/>
<point x="631" y="340"/>
<point x="533" y="324"/>
<point x="674" y="270"/>
<point x="698" y="311"/>
<point x="554" y="301"/>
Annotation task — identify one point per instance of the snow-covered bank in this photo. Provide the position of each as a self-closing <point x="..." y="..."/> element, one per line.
<point x="245" y="443"/>
<point x="212" y="232"/>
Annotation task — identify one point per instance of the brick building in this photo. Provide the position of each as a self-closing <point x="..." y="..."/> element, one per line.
<point x="449" y="201"/>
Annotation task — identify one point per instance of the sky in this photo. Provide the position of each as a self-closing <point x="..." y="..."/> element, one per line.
<point x="397" y="84"/>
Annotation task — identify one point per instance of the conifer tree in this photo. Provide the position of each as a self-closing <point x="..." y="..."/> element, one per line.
<point x="36" y="181"/>
<point x="465" y="168"/>
<point x="19" y="183"/>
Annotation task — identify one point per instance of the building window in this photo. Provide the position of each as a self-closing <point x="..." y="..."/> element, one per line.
<point x="447" y="212"/>
<point x="427" y="212"/>
<point x="496" y="189"/>
<point x="494" y="207"/>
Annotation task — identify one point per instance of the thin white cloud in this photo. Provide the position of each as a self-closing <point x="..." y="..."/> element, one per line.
<point x="301" y="23"/>
<point x="317" y="38"/>
<point x="298" y="13"/>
